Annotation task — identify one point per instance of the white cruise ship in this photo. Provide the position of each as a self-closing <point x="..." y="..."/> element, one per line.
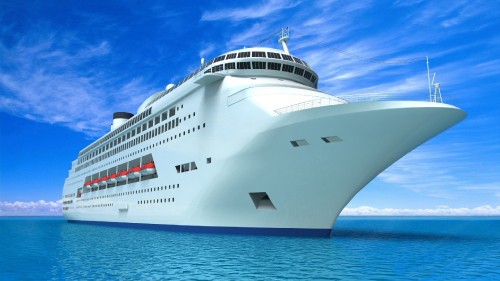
<point x="245" y="144"/>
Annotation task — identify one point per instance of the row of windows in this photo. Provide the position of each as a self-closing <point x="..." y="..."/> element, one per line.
<point x="173" y="123"/>
<point x="67" y="202"/>
<point x="152" y="201"/>
<point x="144" y="190"/>
<point x="166" y="140"/>
<point x="119" y="183"/>
<point x="123" y="167"/>
<point x="69" y="195"/>
<point x="257" y="54"/>
<point x="265" y="65"/>
<point x="140" y="139"/>
<point x="186" y="167"/>
<point x="146" y="125"/>
<point x="245" y="54"/>
<point x="129" y="123"/>
<point x="95" y="206"/>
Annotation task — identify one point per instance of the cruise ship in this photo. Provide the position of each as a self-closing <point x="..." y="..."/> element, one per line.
<point x="246" y="144"/>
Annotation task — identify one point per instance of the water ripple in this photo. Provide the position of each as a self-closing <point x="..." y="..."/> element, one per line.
<point x="371" y="249"/>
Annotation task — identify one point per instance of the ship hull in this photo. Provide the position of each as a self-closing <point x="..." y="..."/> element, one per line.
<point x="290" y="175"/>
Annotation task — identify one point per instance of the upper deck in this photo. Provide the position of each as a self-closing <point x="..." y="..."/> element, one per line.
<point x="250" y="62"/>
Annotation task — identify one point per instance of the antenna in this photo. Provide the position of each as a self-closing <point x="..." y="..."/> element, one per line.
<point x="436" y="95"/>
<point x="284" y="36"/>
<point x="428" y="77"/>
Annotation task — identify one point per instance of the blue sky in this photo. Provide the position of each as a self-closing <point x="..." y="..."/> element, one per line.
<point x="66" y="66"/>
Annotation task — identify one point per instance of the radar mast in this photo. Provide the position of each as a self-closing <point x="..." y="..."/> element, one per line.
<point x="283" y="37"/>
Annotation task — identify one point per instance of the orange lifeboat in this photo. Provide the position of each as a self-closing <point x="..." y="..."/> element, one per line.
<point x="121" y="176"/>
<point x="87" y="184"/>
<point x="148" y="168"/>
<point x="111" y="179"/>
<point x="94" y="183"/>
<point x="102" y="181"/>
<point x="134" y="172"/>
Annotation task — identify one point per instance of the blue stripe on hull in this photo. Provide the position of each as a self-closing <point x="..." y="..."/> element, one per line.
<point x="301" y="232"/>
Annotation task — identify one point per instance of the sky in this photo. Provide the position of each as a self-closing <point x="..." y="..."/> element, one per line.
<point x="66" y="66"/>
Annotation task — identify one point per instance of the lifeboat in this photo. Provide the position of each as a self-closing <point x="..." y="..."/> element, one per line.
<point x="102" y="181"/>
<point x="148" y="168"/>
<point x="87" y="184"/>
<point x="121" y="176"/>
<point x="111" y="179"/>
<point x="134" y="172"/>
<point x="94" y="183"/>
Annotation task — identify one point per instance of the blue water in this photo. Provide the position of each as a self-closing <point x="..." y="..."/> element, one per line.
<point x="360" y="249"/>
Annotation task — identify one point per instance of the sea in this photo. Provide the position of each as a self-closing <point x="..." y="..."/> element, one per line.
<point x="361" y="248"/>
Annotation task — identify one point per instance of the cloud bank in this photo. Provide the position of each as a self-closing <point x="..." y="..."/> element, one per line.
<point x="54" y="208"/>
<point x="485" y="210"/>
<point x="31" y="208"/>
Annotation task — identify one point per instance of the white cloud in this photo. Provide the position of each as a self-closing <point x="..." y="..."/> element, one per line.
<point x="256" y="11"/>
<point x="38" y="208"/>
<point x="485" y="210"/>
<point x="54" y="80"/>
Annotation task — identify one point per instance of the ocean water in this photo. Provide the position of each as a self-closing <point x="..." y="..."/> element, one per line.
<point x="361" y="248"/>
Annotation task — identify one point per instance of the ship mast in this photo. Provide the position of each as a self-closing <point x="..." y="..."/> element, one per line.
<point x="436" y="95"/>
<point x="284" y="36"/>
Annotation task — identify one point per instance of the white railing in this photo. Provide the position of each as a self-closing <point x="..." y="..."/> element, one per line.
<point x="310" y="104"/>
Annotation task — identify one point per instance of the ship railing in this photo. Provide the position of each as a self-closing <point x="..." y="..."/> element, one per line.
<point x="310" y="104"/>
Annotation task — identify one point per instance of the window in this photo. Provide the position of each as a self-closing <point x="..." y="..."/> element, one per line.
<point x="331" y="139"/>
<point x="171" y="112"/>
<point x="258" y="54"/>
<point x="164" y="116"/>
<point x="274" y="66"/>
<point x="297" y="143"/>
<point x="273" y="55"/>
<point x="185" y="167"/>
<point x="258" y="65"/>
<point x="244" y="65"/>
<point x="209" y="160"/>
<point x="217" y="68"/>
<point x="193" y="166"/>
<point x="230" y="65"/>
<point x="313" y="79"/>
<point x="144" y="127"/>
<point x="150" y="123"/>
<point x="288" y="68"/>
<point x="297" y="60"/>
<point x="244" y="55"/>
<point x="219" y="58"/>
<point x="307" y="75"/>
<point x="299" y="71"/>
<point x="157" y="120"/>
<point x="287" y="57"/>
